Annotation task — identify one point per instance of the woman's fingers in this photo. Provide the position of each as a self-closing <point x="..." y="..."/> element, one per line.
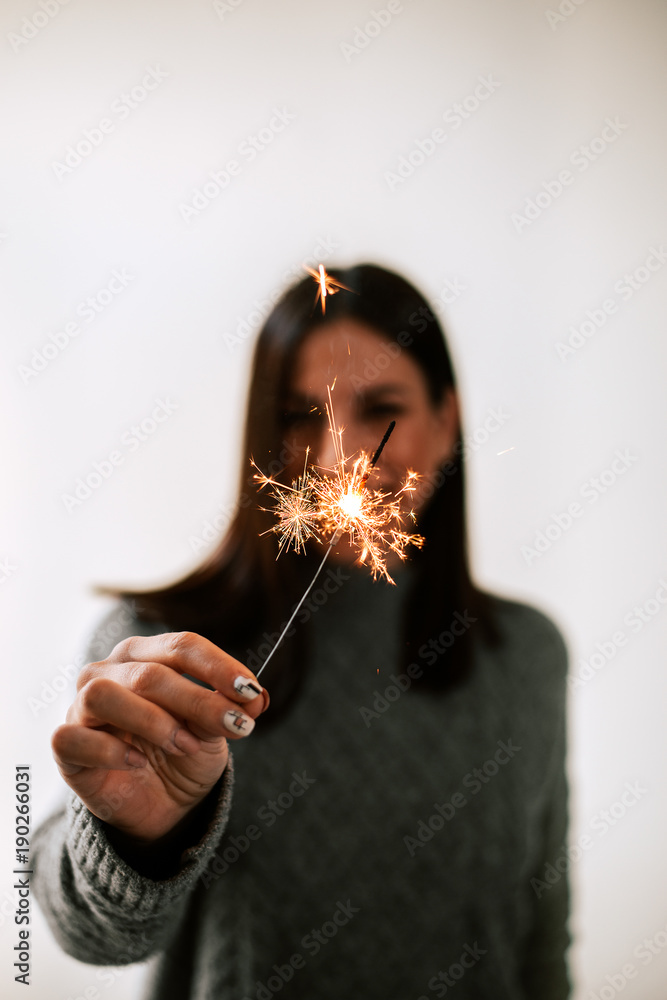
<point x="154" y="702"/>
<point x="141" y="692"/>
<point x="189" y="653"/>
<point x="77" y="747"/>
<point x="104" y="702"/>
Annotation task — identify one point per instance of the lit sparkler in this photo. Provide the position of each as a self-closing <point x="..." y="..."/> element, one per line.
<point x="318" y="505"/>
<point x="327" y="285"/>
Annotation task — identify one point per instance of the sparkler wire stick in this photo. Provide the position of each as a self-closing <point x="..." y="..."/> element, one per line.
<point x="335" y="538"/>
<point x="305" y="595"/>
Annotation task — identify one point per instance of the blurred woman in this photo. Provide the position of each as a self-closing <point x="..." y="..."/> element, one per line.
<point x="384" y="826"/>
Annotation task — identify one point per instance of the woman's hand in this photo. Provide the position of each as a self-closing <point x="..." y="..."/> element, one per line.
<point x="143" y="745"/>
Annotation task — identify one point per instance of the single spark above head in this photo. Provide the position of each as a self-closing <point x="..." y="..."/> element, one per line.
<point x="327" y="285"/>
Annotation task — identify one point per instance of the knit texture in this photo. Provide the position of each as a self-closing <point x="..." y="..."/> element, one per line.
<point x="378" y="841"/>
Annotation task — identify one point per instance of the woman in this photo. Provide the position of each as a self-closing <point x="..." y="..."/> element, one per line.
<point x="385" y="826"/>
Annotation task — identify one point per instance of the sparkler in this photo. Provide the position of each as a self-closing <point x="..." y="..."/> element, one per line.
<point x="316" y="505"/>
<point x="327" y="285"/>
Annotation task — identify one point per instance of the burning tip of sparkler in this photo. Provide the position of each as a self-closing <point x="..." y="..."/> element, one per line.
<point x="350" y="503"/>
<point x="506" y="450"/>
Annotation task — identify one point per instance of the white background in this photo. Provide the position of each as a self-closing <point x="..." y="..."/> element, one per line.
<point x="327" y="177"/>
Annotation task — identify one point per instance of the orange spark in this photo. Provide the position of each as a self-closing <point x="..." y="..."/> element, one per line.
<point x="327" y="285"/>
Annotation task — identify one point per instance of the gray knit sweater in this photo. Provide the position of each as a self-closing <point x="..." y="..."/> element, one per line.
<point x="377" y="843"/>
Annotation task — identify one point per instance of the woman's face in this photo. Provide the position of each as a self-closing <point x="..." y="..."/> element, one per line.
<point x="376" y="381"/>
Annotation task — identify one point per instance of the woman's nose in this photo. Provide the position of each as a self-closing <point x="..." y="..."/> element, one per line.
<point x="350" y="442"/>
<point x="326" y="450"/>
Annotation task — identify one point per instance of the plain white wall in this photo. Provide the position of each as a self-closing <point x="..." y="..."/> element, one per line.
<point x="555" y="76"/>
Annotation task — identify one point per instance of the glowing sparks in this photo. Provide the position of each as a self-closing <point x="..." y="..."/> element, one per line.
<point x="327" y="285"/>
<point x="328" y="506"/>
<point x="296" y="510"/>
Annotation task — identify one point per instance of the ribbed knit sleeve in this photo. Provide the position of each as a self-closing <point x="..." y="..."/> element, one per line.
<point x="100" y="909"/>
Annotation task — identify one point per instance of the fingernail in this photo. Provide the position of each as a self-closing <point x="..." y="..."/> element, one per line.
<point x="135" y="758"/>
<point x="185" y="741"/>
<point x="237" y="723"/>
<point x="246" y="688"/>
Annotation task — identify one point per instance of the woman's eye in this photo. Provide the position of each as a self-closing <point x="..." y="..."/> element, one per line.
<point x="384" y="410"/>
<point x="292" y="417"/>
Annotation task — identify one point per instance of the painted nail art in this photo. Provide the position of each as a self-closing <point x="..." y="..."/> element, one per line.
<point x="238" y="723"/>
<point x="246" y="688"/>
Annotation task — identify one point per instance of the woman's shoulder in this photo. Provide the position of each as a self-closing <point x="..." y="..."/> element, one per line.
<point x="528" y="638"/>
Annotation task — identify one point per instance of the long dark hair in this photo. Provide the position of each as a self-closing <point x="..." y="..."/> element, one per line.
<point x="241" y="597"/>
